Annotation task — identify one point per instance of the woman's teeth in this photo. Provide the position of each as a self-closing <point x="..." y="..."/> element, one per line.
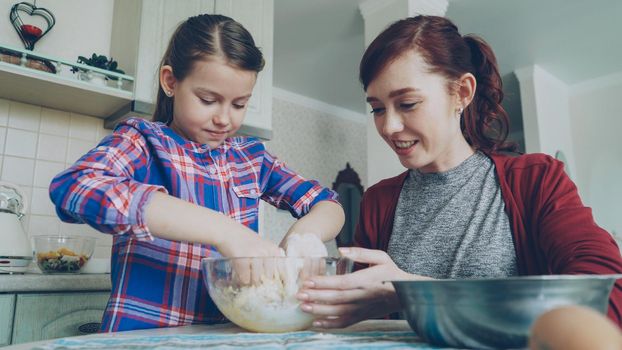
<point x="403" y="144"/>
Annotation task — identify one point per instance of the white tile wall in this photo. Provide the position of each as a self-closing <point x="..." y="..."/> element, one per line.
<point x="52" y="148"/>
<point x="4" y="112"/>
<point x="2" y="138"/>
<point x="83" y="127"/>
<point x="18" y="170"/>
<point x="77" y="148"/>
<point x="54" y="122"/>
<point x="24" y="116"/>
<point x="20" y="143"/>
<point x="35" y="145"/>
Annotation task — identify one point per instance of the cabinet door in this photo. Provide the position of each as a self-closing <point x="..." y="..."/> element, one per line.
<point x="46" y="316"/>
<point x="141" y="31"/>
<point x="7" y="306"/>
<point x="257" y="17"/>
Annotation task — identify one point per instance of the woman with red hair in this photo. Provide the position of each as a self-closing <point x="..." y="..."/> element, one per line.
<point x="466" y="207"/>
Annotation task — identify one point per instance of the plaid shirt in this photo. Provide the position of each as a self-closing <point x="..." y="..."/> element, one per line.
<point x="156" y="282"/>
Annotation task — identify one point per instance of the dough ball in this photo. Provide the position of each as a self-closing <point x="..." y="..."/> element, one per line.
<point x="305" y="244"/>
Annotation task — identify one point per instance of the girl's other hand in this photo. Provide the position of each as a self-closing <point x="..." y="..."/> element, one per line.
<point x="247" y="244"/>
<point x="340" y="301"/>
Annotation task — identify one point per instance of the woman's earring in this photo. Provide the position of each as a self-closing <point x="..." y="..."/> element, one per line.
<point x="169" y="93"/>
<point x="460" y="110"/>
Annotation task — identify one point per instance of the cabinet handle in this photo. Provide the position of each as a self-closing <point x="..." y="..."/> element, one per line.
<point x="91" y="327"/>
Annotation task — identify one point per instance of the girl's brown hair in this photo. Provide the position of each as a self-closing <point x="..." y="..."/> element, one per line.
<point x="198" y="38"/>
<point x="485" y="123"/>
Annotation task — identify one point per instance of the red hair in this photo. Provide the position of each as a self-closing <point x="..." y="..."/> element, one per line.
<point x="485" y="123"/>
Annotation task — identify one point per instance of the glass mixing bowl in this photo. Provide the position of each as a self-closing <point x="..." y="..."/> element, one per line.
<point x="259" y="294"/>
<point x="62" y="254"/>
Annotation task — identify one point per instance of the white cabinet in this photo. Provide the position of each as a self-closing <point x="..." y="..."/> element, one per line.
<point x="142" y="29"/>
<point x="55" y="315"/>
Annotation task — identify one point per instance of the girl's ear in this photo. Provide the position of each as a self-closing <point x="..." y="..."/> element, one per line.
<point x="167" y="80"/>
<point x="466" y="90"/>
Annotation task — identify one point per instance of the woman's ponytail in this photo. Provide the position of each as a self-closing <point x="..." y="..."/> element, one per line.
<point x="485" y="123"/>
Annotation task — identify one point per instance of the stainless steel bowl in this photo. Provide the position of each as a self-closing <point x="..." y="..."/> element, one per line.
<point x="494" y="313"/>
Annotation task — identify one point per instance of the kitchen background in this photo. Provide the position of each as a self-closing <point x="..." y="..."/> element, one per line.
<point x="558" y="99"/>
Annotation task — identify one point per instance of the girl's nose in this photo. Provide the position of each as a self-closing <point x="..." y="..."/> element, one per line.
<point x="222" y="117"/>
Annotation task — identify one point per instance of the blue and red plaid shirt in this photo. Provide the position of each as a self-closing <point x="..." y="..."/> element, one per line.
<point x="157" y="282"/>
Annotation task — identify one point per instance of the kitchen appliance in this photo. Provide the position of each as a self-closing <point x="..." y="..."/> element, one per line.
<point x="15" y="250"/>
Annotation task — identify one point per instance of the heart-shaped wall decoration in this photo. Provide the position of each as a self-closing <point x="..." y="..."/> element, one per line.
<point x="30" y="33"/>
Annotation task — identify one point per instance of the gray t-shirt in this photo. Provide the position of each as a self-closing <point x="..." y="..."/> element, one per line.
<point x="453" y="224"/>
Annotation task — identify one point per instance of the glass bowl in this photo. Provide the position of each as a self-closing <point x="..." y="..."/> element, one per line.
<point x="62" y="254"/>
<point x="259" y="294"/>
<point x="496" y="312"/>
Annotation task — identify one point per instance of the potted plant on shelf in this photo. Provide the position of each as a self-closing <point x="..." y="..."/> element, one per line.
<point x="98" y="61"/>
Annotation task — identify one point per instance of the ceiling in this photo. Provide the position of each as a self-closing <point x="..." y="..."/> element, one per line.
<point x="318" y="44"/>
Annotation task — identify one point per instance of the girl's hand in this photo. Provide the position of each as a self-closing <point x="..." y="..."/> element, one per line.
<point x="340" y="301"/>
<point x="245" y="243"/>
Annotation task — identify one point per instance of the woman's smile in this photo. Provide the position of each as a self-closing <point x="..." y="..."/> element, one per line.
<point x="404" y="147"/>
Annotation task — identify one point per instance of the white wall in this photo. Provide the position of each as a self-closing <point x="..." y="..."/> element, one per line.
<point x="82" y="27"/>
<point x="585" y="121"/>
<point x="316" y="140"/>
<point x="596" y="118"/>
<point x="546" y="115"/>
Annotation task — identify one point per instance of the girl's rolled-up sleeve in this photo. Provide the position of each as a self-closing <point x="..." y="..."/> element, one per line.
<point x="100" y="188"/>
<point x="285" y="189"/>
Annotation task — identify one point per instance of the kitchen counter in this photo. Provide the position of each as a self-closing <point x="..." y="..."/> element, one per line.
<point x="32" y="283"/>
<point x="375" y="334"/>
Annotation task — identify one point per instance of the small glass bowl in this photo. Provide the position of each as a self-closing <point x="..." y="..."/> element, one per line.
<point x="62" y="254"/>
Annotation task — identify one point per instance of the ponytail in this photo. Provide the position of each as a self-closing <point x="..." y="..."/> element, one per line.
<point x="485" y="123"/>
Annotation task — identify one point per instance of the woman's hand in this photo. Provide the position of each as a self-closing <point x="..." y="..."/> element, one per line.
<point x="340" y="301"/>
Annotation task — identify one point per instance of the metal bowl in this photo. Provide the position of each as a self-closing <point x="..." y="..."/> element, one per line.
<point x="494" y="313"/>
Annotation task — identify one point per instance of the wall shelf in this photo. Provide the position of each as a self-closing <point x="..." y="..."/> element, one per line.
<point x="62" y="90"/>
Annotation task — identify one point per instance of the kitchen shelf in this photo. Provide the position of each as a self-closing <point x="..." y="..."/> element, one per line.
<point x="62" y="90"/>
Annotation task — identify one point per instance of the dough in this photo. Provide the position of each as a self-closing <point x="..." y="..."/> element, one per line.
<point x="305" y="244"/>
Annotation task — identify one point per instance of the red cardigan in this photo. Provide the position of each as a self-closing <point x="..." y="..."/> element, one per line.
<point x="553" y="232"/>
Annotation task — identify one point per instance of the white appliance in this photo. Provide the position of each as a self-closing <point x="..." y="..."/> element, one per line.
<point x="15" y="249"/>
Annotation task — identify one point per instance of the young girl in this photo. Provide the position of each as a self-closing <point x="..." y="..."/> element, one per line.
<point x="174" y="190"/>
<point x="464" y="208"/>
